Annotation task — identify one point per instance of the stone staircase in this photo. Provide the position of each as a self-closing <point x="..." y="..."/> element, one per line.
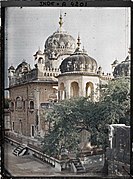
<point x="78" y="167"/>
<point x="20" y="150"/>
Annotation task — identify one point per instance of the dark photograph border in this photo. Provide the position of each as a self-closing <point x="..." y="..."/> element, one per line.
<point x="58" y="95"/>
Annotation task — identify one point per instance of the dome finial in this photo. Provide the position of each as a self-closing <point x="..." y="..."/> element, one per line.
<point x="60" y="21"/>
<point x="23" y="61"/>
<point x="78" y="43"/>
<point x="84" y="51"/>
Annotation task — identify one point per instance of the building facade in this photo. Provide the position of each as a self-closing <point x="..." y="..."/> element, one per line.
<point x="63" y="70"/>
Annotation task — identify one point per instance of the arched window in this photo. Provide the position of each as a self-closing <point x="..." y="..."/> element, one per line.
<point x="40" y="60"/>
<point x="74" y="89"/>
<point x="32" y="130"/>
<point x="31" y="105"/>
<point x="89" y="90"/>
<point x="19" y="102"/>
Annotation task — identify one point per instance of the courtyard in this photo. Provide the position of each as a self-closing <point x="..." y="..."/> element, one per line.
<point x="28" y="165"/>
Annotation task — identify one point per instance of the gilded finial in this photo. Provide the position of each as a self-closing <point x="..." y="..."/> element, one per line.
<point x="61" y="21"/>
<point x="83" y="50"/>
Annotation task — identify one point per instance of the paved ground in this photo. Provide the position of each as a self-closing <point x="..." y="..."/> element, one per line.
<point x="26" y="165"/>
<point x="29" y="166"/>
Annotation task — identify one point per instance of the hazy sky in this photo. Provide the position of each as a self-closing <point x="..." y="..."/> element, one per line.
<point x="104" y="32"/>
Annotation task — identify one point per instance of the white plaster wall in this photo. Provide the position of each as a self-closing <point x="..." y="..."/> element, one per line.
<point x="81" y="80"/>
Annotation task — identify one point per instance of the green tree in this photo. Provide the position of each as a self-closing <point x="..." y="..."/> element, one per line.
<point x="113" y="107"/>
<point x="116" y="100"/>
<point x="68" y="117"/>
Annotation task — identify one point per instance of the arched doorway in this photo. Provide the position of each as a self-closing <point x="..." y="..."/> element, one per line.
<point x="89" y="90"/>
<point x="74" y="89"/>
<point x="20" y="126"/>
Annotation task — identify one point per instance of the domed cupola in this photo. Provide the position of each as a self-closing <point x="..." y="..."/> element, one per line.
<point x="123" y="68"/>
<point x="59" y="43"/>
<point x="39" y="52"/>
<point x="11" y="68"/>
<point x="79" y="61"/>
<point x="22" y="68"/>
<point x="11" y="71"/>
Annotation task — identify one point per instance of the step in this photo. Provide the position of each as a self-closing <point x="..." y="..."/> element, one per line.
<point x="78" y="165"/>
<point x="20" y="150"/>
<point x="14" y="152"/>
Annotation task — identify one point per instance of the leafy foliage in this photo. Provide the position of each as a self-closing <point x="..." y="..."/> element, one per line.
<point x="64" y="117"/>
<point x="68" y="117"/>
<point x="116" y="100"/>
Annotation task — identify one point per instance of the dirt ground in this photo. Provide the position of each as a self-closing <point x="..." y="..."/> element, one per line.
<point x="28" y="165"/>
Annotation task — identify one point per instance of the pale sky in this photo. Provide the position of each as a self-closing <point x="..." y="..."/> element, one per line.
<point x="104" y="32"/>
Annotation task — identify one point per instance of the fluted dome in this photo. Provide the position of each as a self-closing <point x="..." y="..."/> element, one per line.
<point x="60" y="42"/>
<point x="79" y="61"/>
<point x="123" y="68"/>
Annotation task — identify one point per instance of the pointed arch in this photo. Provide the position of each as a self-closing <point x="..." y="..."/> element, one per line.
<point x="74" y="89"/>
<point x="19" y="102"/>
<point x="40" y="60"/>
<point x="89" y="90"/>
<point x="31" y="104"/>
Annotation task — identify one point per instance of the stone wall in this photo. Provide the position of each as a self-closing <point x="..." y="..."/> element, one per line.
<point x="24" y="119"/>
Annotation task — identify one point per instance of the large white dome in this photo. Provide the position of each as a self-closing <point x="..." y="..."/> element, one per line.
<point x="59" y="43"/>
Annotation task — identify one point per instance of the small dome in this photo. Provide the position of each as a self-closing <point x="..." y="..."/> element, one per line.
<point x="115" y="62"/>
<point x="123" y="68"/>
<point x="39" y="52"/>
<point x="79" y="62"/>
<point x="11" y="68"/>
<point x="23" y="67"/>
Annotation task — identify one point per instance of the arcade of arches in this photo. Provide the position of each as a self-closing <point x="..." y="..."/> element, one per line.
<point x="74" y="90"/>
